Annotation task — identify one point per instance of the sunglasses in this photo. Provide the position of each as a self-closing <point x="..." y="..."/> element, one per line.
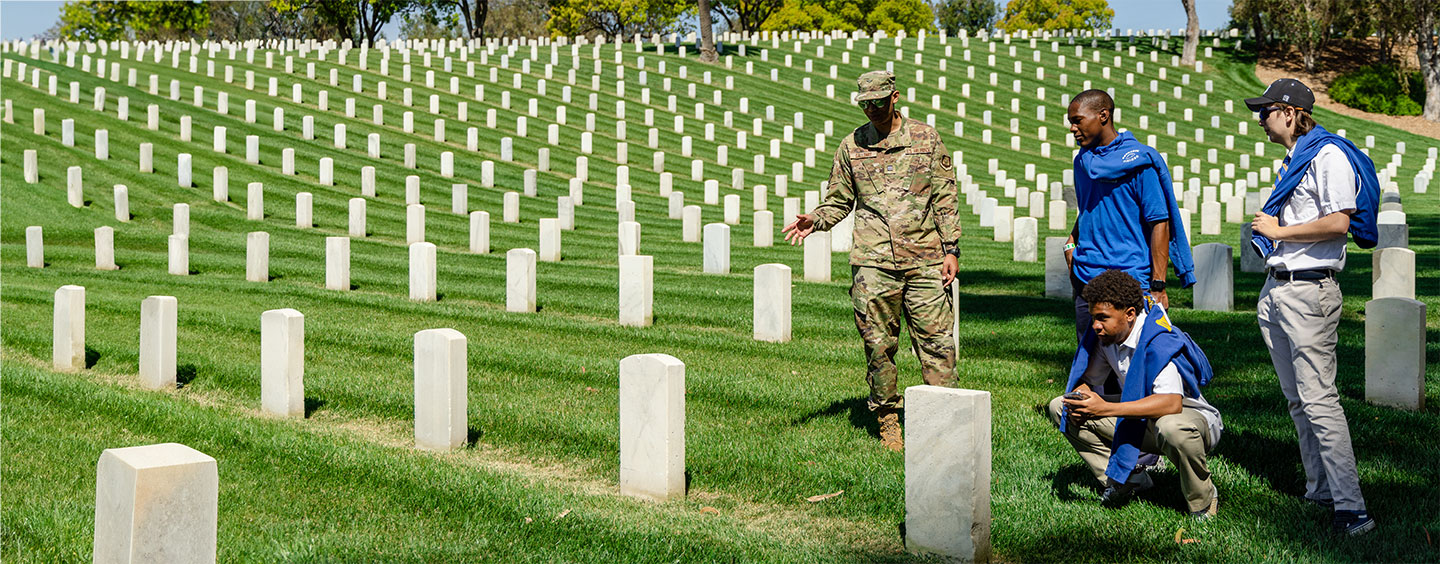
<point x="876" y="103"/>
<point x="1265" y="112"/>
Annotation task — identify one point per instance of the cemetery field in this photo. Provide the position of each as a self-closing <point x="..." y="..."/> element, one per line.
<point x="767" y="424"/>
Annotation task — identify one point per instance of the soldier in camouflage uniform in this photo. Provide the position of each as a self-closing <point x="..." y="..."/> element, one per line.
<point x="897" y="176"/>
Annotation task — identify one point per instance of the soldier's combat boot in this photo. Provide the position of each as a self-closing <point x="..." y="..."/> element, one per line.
<point x="890" y="435"/>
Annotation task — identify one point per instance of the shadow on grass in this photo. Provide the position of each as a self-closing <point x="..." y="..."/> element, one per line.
<point x="472" y="436"/>
<point x="184" y="374"/>
<point x="92" y="356"/>
<point x="857" y="408"/>
<point x="1065" y="480"/>
<point x="312" y="405"/>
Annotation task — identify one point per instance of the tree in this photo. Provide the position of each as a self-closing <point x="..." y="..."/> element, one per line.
<point x="1251" y="15"/>
<point x="746" y="15"/>
<point x="1307" y="24"/>
<point x="1052" y="15"/>
<point x="973" y="15"/>
<point x="1426" y="35"/>
<point x="372" y="15"/>
<point x="893" y="16"/>
<point x="473" y="13"/>
<point x="614" y="17"/>
<point x="243" y="21"/>
<point x="91" y="20"/>
<point x="516" y="18"/>
<point x="795" y="15"/>
<point x="890" y="16"/>
<point x="1192" y="33"/>
<point x="355" y="20"/>
<point x="432" y="22"/>
<point x="707" y="33"/>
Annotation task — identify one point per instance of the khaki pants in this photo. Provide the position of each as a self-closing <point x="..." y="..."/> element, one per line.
<point x="1299" y="321"/>
<point x="1183" y="438"/>
<point x="880" y="297"/>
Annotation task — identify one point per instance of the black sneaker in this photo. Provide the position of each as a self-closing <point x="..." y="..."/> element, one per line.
<point x="1118" y="495"/>
<point x="1352" y="523"/>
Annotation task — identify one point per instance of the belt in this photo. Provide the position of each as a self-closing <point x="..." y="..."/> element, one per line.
<point x="1312" y="274"/>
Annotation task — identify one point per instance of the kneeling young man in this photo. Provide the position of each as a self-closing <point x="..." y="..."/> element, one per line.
<point x="1155" y="408"/>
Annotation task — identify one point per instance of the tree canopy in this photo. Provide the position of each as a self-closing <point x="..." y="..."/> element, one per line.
<point x="972" y="15"/>
<point x="1052" y="15"/>
<point x="614" y="17"/>
<point x="92" y="20"/>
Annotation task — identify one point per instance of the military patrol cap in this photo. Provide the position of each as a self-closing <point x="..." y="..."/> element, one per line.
<point x="874" y="85"/>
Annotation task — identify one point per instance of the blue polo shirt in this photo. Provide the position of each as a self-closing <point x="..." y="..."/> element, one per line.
<point x="1111" y="225"/>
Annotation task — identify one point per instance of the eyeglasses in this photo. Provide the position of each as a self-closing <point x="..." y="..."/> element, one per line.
<point x="876" y="103"/>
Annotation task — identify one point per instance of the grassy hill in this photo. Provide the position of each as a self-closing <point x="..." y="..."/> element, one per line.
<point x="767" y="424"/>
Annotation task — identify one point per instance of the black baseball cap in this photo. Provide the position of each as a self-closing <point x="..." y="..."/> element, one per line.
<point x="1287" y="90"/>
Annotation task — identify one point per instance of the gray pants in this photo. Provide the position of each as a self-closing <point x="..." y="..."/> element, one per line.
<point x="1299" y="321"/>
<point x="1183" y="438"/>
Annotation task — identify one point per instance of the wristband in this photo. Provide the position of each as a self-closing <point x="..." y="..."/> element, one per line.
<point x="1070" y="246"/>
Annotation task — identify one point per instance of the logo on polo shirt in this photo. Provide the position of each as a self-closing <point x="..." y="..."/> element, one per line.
<point x="1130" y="156"/>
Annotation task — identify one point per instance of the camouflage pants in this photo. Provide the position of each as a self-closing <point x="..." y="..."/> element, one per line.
<point x="880" y="297"/>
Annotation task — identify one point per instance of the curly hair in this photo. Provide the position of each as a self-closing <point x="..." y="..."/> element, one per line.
<point x="1115" y="287"/>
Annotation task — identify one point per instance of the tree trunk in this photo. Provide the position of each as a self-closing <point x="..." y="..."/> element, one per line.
<point x="707" y="34"/>
<point x="463" y="6"/>
<point x="1192" y="33"/>
<point x="1427" y="50"/>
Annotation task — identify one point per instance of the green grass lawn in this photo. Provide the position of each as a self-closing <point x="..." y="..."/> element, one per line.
<point x="767" y="424"/>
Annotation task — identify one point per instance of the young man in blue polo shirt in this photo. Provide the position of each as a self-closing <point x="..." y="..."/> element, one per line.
<point x="1128" y="219"/>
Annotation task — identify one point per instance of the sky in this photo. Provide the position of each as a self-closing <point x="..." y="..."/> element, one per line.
<point x="20" y="19"/>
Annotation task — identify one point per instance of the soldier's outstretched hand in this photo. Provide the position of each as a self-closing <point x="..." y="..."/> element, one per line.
<point x="796" y="231"/>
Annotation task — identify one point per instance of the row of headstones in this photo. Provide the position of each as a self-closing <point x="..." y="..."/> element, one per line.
<point x="1209" y="212"/>
<point x="1204" y="223"/>
<point x="252" y="146"/>
<point x="636" y="272"/>
<point x="432" y="97"/>
<point x="303" y="214"/>
<point x="252" y="141"/>
<point x="160" y="503"/>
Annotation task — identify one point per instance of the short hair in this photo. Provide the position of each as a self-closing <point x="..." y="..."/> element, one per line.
<point x="1304" y="122"/>
<point x="1096" y="100"/>
<point x="1115" y="287"/>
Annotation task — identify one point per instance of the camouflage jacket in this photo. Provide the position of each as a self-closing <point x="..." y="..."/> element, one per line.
<point x="902" y="189"/>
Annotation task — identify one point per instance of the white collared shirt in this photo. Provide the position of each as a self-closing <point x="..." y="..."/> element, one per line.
<point x="1328" y="186"/>
<point x="1117" y="358"/>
